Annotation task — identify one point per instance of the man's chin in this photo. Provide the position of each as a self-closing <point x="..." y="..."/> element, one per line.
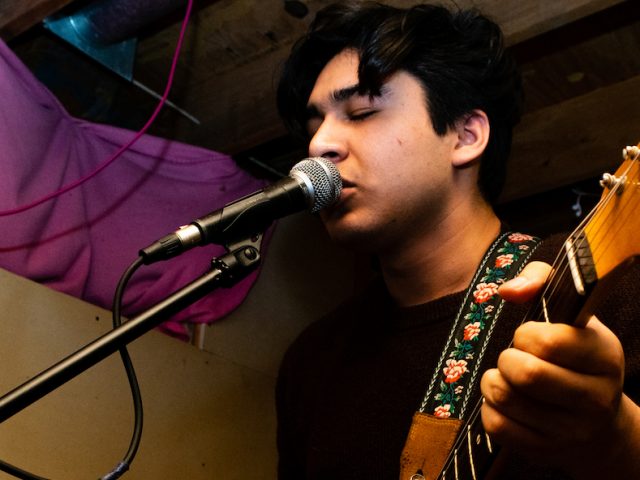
<point x="345" y="228"/>
<point x="350" y="238"/>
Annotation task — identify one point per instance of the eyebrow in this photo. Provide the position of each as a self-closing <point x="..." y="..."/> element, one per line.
<point x="338" y="96"/>
<point x="344" y="94"/>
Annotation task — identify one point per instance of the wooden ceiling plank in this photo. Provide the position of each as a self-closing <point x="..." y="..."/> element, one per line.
<point x="17" y="16"/>
<point x="237" y="105"/>
<point x="575" y="140"/>
<point x="524" y="20"/>
<point x="229" y="112"/>
<point x="241" y="112"/>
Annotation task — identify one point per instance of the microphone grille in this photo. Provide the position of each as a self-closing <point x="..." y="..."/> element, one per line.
<point x="322" y="179"/>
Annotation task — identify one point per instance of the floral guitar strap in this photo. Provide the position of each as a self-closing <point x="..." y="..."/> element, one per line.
<point x="444" y="404"/>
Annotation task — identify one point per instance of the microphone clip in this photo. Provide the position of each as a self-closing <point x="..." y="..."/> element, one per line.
<point x="242" y="258"/>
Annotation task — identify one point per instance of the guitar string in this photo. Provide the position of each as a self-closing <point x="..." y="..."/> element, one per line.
<point x="603" y="237"/>
<point x="551" y="289"/>
<point x="596" y="243"/>
<point x="633" y="163"/>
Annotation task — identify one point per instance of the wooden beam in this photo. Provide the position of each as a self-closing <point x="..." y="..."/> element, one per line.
<point x="574" y="140"/>
<point x="239" y="111"/>
<point x="17" y="16"/>
<point x="234" y="95"/>
<point x="522" y="20"/>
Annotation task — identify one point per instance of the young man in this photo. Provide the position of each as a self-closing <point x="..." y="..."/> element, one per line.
<point x="416" y="107"/>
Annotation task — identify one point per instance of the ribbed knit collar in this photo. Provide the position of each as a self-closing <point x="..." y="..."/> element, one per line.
<point x="442" y="309"/>
<point x="400" y="318"/>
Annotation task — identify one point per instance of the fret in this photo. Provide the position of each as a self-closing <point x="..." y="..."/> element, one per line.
<point x="578" y="256"/>
<point x="455" y="464"/>
<point x="470" y="449"/>
<point x="488" y="440"/>
<point x="473" y="451"/>
<point x="463" y="468"/>
<point x="545" y="310"/>
<point x="483" y="451"/>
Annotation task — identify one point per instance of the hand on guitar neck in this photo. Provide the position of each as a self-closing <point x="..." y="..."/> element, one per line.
<point x="556" y="395"/>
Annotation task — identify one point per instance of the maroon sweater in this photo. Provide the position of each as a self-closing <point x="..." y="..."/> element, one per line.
<point x="350" y="384"/>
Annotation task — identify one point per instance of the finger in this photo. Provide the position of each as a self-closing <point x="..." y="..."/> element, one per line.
<point x="541" y="418"/>
<point x="527" y="284"/>
<point x="535" y="427"/>
<point x="512" y="435"/>
<point x="506" y="430"/>
<point x="548" y="383"/>
<point x="593" y="350"/>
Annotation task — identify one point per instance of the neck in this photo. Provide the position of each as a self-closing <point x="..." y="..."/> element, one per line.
<point x="441" y="261"/>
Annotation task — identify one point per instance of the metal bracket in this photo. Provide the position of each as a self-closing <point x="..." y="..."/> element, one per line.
<point x="117" y="57"/>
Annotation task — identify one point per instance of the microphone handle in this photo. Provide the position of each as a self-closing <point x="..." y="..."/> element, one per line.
<point x="239" y="220"/>
<point x="252" y="214"/>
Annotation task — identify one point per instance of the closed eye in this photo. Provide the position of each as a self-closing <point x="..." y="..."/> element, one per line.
<point x="360" y="115"/>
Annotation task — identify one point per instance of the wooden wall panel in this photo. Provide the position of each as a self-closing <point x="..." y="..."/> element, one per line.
<point x="17" y="16"/>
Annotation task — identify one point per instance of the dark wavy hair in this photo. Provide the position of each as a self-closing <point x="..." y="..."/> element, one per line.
<point x="458" y="56"/>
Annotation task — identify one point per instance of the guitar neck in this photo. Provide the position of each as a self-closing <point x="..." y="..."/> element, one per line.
<point x="564" y="297"/>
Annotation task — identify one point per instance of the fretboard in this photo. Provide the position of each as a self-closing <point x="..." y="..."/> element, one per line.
<point x="473" y="452"/>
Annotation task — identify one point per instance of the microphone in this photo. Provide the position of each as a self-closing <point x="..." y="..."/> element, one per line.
<point x="313" y="184"/>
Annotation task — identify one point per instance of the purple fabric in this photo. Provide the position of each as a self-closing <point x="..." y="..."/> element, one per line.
<point x="81" y="243"/>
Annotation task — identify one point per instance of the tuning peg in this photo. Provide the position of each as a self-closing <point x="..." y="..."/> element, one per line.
<point x="612" y="182"/>
<point x="630" y="151"/>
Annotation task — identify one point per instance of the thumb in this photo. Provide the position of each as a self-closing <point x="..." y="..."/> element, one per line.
<point x="527" y="284"/>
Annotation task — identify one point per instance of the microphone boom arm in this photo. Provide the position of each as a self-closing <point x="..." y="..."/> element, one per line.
<point x="241" y="259"/>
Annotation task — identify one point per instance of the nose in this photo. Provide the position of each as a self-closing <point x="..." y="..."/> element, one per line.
<point x="328" y="141"/>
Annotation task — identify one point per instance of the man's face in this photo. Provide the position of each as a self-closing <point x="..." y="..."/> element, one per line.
<point x="396" y="171"/>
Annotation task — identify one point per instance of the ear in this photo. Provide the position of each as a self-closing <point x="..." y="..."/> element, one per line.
<point x="473" y="136"/>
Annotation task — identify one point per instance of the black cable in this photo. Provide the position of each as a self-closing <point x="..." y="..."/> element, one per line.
<point x="123" y="466"/>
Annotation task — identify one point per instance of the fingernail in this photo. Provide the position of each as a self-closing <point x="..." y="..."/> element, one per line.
<point x="517" y="283"/>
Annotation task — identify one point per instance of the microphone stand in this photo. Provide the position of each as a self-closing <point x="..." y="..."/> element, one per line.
<point x="226" y="271"/>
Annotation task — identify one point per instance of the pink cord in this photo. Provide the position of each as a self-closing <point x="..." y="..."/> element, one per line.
<point x="122" y="149"/>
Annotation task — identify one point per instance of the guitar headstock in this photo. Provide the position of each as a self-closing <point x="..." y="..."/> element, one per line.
<point x="613" y="227"/>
